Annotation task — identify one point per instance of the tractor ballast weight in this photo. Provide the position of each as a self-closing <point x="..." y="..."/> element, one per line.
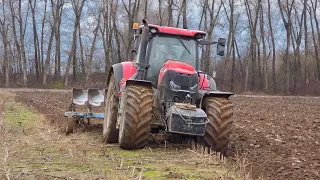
<point x="165" y="79"/>
<point x="186" y="119"/>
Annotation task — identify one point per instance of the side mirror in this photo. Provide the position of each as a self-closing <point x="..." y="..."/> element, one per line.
<point x="221" y="46"/>
<point x="206" y="42"/>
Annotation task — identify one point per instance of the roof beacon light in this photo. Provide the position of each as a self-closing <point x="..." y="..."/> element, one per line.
<point x="135" y="25"/>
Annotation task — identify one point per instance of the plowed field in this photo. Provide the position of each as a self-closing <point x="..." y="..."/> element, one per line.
<point x="279" y="136"/>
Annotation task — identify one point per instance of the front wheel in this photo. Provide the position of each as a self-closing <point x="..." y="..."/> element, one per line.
<point x="218" y="130"/>
<point x="136" y="117"/>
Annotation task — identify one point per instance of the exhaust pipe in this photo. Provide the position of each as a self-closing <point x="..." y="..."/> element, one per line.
<point x="142" y="62"/>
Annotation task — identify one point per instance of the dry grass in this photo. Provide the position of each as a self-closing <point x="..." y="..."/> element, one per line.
<point x="4" y="150"/>
<point x="208" y="156"/>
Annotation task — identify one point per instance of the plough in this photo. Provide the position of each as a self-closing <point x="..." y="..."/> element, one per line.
<point x="91" y="98"/>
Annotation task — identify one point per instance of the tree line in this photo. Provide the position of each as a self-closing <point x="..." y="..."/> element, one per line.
<point x="272" y="46"/>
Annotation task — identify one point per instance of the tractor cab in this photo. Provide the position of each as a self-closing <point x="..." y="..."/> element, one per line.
<point x="164" y="79"/>
<point x="168" y="43"/>
<point x="172" y="60"/>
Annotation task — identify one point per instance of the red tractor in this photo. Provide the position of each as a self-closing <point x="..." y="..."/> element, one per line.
<point x="164" y="91"/>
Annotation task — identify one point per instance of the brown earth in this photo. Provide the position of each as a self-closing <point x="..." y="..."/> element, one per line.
<point x="280" y="136"/>
<point x="33" y="148"/>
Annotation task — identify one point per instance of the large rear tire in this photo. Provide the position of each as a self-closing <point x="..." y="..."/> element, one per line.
<point x="110" y="132"/>
<point x="218" y="130"/>
<point x="136" y="117"/>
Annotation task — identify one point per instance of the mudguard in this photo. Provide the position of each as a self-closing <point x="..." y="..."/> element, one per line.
<point x="138" y="82"/>
<point x="204" y="94"/>
<point x="122" y="72"/>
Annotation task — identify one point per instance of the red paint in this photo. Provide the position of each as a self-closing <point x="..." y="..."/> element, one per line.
<point x="176" y="66"/>
<point x="175" y="31"/>
<point x="203" y="82"/>
<point x="128" y="71"/>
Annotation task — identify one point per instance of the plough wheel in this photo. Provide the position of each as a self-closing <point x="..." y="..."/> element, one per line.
<point x="110" y="133"/>
<point x="136" y="117"/>
<point x="218" y="130"/>
<point x="71" y="124"/>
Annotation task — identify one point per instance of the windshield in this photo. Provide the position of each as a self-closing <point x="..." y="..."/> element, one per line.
<point x="173" y="48"/>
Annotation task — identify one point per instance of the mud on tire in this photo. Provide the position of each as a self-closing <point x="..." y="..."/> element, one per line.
<point x="136" y="117"/>
<point x="218" y="130"/>
<point x="110" y="133"/>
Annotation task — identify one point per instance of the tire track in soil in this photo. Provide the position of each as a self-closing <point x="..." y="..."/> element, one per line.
<point x="280" y="136"/>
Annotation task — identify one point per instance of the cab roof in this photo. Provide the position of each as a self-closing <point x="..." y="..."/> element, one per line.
<point x="176" y="31"/>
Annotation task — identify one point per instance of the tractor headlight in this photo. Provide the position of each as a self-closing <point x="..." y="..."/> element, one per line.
<point x="193" y="88"/>
<point x="174" y="86"/>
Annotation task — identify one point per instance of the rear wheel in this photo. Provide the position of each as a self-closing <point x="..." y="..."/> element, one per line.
<point x="218" y="130"/>
<point x="110" y="132"/>
<point x="136" y="117"/>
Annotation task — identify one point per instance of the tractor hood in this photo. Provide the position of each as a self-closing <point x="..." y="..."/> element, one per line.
<point x="178" y="67"/>
<point x="178" y="80"/>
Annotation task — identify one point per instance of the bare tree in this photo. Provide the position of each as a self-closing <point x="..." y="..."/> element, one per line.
<point x="22" y="28"/>
<point x="35" y="37"/>
<point x="106" y="32"/>
<point x="82" y="63"/>
<point x="92" y="49"/>
<point x="116" y="33"/>
<point x="57" y="8"/>
<point x="14" y="31"/>
<point x="131" y="9"/>
<point x="231" y="43"/>
<point x="145" y="9"/>
<point x="296" y="37"/>
<point x="287" y="8"/>
<point x="315" y="35"/>
<point x="184" y="7"/>
<point x="306" y="47"/>
<point x="250" y="26"/>
<point x="253" y="22"/>
<point x="204" y="6"/>
<point x="213" y="16"/>
<point x="19" y="42"/>
<point x="4" y="28"/>
<point x="48" y="57"/>
<point x="77" y="9"/>
<point x="170" y="9"/>
<point x="264" y="49"/>
<point x="43" y="23"/>
<point x="160" y="12"/>
<point x="274" y="83"/>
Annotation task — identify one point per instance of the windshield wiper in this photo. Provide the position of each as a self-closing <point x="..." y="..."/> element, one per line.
<point x="184" y="45"/>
